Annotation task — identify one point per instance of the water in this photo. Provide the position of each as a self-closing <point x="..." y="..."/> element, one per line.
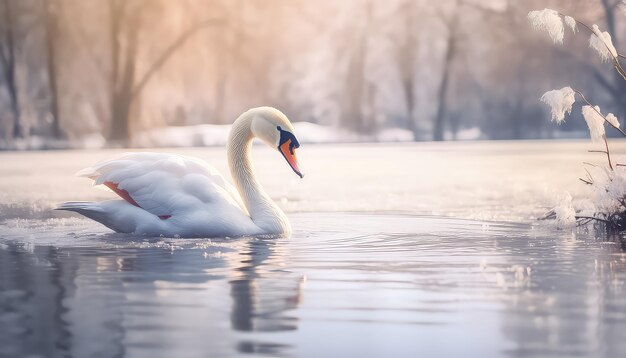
<point x="409" y="250"/>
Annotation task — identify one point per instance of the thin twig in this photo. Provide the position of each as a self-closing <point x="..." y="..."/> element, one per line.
<point x="616" y="64"/>
<point x="599" y="113"/>
<point x="594" y="218"/>
<point x="589" y="176"/>
<point x="608" y="154"/>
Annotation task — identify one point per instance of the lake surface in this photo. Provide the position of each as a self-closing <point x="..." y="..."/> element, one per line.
<point x="398" y="250"/>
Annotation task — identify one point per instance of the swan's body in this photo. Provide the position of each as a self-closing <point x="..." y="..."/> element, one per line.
<point x="174" y="195"/>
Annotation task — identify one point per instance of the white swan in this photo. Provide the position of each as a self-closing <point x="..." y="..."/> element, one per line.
<point x="174" y="195"/>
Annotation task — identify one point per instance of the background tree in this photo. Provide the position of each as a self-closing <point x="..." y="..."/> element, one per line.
<point x="51" y="13"/>
<point x="126" y="21"/>
<point x="451" y="22"/>
<point x="9" y="47"/>
<point x="94" y="73"/>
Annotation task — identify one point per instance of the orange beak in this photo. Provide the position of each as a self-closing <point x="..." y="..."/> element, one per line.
<point x="287" y="150"/>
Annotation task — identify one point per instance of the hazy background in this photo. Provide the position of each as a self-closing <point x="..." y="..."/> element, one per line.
<point x="92" y="73"/>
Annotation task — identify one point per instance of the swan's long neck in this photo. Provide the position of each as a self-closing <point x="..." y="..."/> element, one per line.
<point x="263" y="212"/>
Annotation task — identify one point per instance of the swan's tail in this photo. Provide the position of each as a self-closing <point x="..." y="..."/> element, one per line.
<point x="94" y="211"/>
<point x="91" y="210"/>
<point x="81" y="207"/>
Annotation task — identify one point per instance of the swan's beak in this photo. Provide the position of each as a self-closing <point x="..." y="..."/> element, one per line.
<point x="287" y="149"/>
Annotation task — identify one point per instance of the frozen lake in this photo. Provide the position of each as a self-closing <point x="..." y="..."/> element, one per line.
<point x="428" y="249"/>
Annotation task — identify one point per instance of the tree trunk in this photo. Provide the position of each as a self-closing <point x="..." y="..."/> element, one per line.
<point x="124" y="88"/>
<point x="15" y="107"/>
<point x="122" y="96"/>
<point x="442" y="93"/>
<point x="51" y="21"/>
<point x="358" y="91"/>
<point x="409" y="94"/>
<point x="407" y="67"/>
<point x="120" y="112"/>
<point x="7" y="58"/>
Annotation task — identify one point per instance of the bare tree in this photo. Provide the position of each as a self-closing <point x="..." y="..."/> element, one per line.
<point x="51" y="13"/>
<point x="457" y="40"/>
<point x="407" y="57"/>
<point x="359" y="91"/>
<point x="226" y="52"/>
<point x="451" y="23"/>
<point x="124" y="32"/>
<point x="125" y="86"/>
<point x="7" y="60"/>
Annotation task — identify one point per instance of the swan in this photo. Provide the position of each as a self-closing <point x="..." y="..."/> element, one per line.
<point x="179" y="196"/>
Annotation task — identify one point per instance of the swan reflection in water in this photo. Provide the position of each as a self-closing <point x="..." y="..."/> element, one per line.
<point x="163" y="296"/>
<point x="259" y="291"/>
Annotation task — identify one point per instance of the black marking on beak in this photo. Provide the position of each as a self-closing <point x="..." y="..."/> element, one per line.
<point x="285" y="136"/>
<point x="289" y="142"/>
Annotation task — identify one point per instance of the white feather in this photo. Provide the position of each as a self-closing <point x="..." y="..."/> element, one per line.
<point x="560" y="102"/>
<point x="613" y="120"/>
<point x="602" y="43"/>
<point x="550" y="21"/>
<point x="595" y="122"/>
<point x="571" y="23"/>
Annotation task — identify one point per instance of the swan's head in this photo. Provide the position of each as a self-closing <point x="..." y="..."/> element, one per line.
<point x="272" y="127"/>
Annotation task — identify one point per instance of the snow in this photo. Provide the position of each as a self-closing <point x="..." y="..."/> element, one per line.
<point x="217" y="135"/>
<point x="395" y="135"/>
<point x="595" y="122"/>
<point x="550" y="21"/>
<point x="35" y="142"/>
<point x="560" y="101"/>
<point x="613" y="120"/>
<point x="308" y="132"/>
<point x="602" y="43"/>
<point x="571" y="23"/>
<point x="608" y="189"/>
<point x="603" y="199"/>
<point x="190" y="136"/>
<point x="473" y="133"/>
<point x="565" y="212"/>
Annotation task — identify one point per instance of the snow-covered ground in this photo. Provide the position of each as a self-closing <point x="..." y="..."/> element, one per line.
<point x="216" y="135"/>
<point x="209" y="135"/>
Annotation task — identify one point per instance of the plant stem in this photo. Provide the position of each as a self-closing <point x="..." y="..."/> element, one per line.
<point x="606" y="142"/>
<point x="593" y="218"/>
<point x="619" y="68"/>
<point x="599" y="113"/>
<point x="608" y="153"/>
<point x="616" y="64"/>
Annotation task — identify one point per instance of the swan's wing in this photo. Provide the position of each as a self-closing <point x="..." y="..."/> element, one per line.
<point x="164" y="184"/>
